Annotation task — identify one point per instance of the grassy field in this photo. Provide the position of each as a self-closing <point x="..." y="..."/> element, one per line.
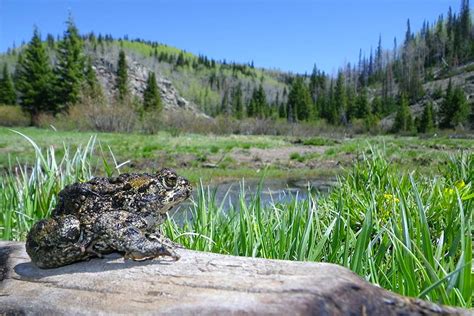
<point x="215" y="158"/>
<point x="409" y="232"/>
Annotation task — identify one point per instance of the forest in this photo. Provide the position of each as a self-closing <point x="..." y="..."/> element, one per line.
<point x="52" y="76"/>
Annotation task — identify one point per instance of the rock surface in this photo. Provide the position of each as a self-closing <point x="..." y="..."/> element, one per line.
<point x="199" y="283"/>
<point x="137" y="77"/>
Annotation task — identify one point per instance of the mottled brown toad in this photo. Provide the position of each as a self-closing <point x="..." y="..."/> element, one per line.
<point x="108" y="214"/>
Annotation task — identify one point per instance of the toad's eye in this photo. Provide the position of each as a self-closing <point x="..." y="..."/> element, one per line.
<point x="171" y="180"/>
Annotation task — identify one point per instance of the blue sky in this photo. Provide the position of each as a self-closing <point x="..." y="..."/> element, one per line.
<point x="286" y="35"/>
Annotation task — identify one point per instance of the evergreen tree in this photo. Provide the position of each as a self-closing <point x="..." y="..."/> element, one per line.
<point x="377" y="107"/>
<point x="403" y="119"/>
<point x="362" y="104"/>
<point x="122" y="76"/>
<point x="427" y="124"/>
<point x="378" y="59"/>
<point x="70" y="66"/>
<point x="92" y="86"/>
<point x="151" y="95"/>
<point x="446" y="110"/>
<point x="225" y="103"/>
<point x="460" y="108"/>
<point x="7" y="90"/>
<point x="408" y="34"/>
<point x="351" y="103"/>
<point x="282" y="110"/>
<point x="339" y="104"/>
<point x="237" y="103"/>
<point x="50" y="40"/>
<point x="257" y="106"/>
<point x="33" y="78"/>
<point x="261" y="102"/>
<point x="299" y="101"/>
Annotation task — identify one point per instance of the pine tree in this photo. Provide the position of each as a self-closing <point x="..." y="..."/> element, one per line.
<point x="377" y="107"/>
<point x="299" y="101"/>
<point x="257" y="106"/>
<point x="225" y="103"/>
<point x="339" y="104"/>
<point x="403" y="119"/>
<point x="362" y="104"/>
<point x="427" y="124"/>
<point x="50" y="40"/>
<point x="446" y="111"/>
<point x="408" y="34"/>
<point x="33" y="79"/>
<point x="261" y="102"/>
<point x="70" y="66"/>
<point x="378" y="59"/>
<point x="7" y="90"/>
<point x="460" y="108"/>
<point x="251" y="104"/>
<point x="91" y="85"/>
<point x="351" y="103"/>
<point x="151" y="95"/>
<point x="237" y="103"/>
<point x="122" y="76"/>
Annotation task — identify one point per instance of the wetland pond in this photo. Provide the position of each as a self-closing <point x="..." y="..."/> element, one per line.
<point x="272" y="191"/>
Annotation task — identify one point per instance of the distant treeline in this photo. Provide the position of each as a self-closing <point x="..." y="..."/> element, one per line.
<point x="386" y="82"/>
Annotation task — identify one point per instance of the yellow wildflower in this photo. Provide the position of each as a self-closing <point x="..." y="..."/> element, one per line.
<point x="448" y="191"/>
<point x="390" y="198"/>
<point x="460" y="184"/>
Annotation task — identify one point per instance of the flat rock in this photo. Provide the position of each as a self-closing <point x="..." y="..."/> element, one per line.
<point x="199" y="283"/>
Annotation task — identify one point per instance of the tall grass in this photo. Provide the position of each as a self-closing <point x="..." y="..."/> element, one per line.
<point x="408" y="233"/>
<point x="29" y="192"/>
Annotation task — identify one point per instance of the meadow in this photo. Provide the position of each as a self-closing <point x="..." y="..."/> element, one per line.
<point x="215" y="158"/>
<point x="400" y="215"/>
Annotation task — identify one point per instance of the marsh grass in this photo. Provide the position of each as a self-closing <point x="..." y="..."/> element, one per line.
<point x="28" y="192"/>
<point x="406" y="232"/>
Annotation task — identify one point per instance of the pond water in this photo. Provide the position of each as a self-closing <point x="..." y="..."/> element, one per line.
<point x="272" y="191"/>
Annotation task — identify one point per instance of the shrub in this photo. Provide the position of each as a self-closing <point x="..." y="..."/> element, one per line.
<point x="13" y="116"/>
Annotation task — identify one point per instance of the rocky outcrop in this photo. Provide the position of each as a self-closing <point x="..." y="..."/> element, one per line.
<point x="137" y="76"/>
<point x="199" y="283"/>
<point x="462" y="76"/>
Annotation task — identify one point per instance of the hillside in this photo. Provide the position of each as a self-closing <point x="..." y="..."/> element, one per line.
<point x="401" y="90"/>
<point x="185" y="80"/>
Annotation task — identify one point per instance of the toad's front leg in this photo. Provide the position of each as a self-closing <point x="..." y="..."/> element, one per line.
<point x="124" y="231"/>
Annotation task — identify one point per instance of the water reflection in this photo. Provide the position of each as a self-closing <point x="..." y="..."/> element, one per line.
<point x="272" y="191"/>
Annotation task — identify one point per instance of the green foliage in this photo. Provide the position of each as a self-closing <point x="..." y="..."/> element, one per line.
<point x="70" y="66"/>
<point x="378" y="107"/>
<point x="362" y="104"/>
<point x="237" y="102"/>
<point x="7" y="90"/>
<point x="92" y="86"/>
<point x="427" y="123"/>
<point x="29" y="194"/>
<point x="454" y="109"/>
<point x="460" y="107"/>
<point x="122" y="76"/>
<point x="34" y="78"/>
<point x="151" y="95"/>
<point x="339" y="104"/>
<point x="13" y="116"/>
<point x="257" y="106"/>
<point x="403" y="119"/>
<point x="446" y="110"/>
<point x="299" y="103"/>
<point x="406" y="233"/>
